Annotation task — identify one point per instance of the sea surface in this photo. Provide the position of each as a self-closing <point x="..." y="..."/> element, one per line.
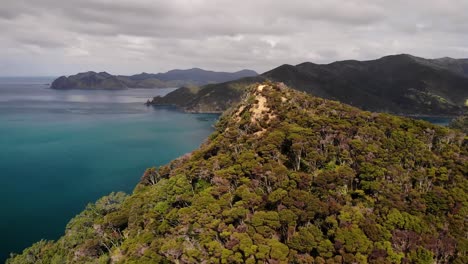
<point x="60" y="150"/>
<point x="441" y="121"/>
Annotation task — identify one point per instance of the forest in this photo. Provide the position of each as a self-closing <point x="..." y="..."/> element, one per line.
<point x="287" y="178"/>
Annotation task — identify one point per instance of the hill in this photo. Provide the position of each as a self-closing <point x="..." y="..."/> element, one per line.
<point x="174" y="78"/>
<point x="459" y="66"/>
<point x="287" y="177"/>
<point x="212" y="98"/>
<point x="398" y="84"/>
<point x="89" y="80"/>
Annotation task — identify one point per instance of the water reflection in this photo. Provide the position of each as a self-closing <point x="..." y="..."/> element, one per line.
<point x="36" y="90"/>
<point x="27" y="98"/>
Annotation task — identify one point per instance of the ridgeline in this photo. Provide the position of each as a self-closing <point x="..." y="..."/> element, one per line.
<point x="174" y="78"/>
<point x="398" y="84"/>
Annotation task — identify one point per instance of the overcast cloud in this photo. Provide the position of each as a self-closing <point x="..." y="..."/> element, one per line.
<point x="55" y="37"/>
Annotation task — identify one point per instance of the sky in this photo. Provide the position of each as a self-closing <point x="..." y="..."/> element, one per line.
<point x="58" y="37"/>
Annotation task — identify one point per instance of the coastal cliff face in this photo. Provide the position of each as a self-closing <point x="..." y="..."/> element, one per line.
<point x="175" y="78"/>
<point x="287" y="178"/>
<point x="399" y="84"/>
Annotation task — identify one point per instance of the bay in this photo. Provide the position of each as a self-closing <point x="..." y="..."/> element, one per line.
<point x="60" y="150"/>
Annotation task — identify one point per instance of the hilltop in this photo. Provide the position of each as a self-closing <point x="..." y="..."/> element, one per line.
<point x="398" y="84"/>
<point x="174" y="78"/>
<point x="287" y="177"/>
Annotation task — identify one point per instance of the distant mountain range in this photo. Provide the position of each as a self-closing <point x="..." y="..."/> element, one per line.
<point x="400" y="84"/>
<point x="175" y="78"/>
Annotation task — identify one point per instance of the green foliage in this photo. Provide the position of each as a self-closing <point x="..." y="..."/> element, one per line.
<point x="460" y="123"/>
<point x="353" y="240"/>
<point x="421" y="256"/>
<point x="279" y="251"/>
<point x="306" y="239"/>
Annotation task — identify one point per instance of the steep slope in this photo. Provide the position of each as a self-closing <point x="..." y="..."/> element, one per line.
<point x="174" y="78"/>
<point x="399" y="84"/>
<point x="459" y="66"/>
<point x="287" y="177"/>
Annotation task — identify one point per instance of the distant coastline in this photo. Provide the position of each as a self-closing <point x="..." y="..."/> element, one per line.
<point x="176" y="78"/>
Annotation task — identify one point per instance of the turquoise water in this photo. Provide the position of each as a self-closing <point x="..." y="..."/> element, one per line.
<point x="60" y="150"/>
<point x="441" y="121"/>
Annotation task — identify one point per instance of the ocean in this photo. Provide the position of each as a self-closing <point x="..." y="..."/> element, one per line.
<point x="60" y="150"/>
<point x="441" y="121"/>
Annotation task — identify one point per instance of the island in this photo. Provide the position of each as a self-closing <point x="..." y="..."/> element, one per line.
<point x="175" y="78"/>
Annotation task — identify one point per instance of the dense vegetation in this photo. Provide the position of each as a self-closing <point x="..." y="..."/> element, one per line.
<point x="287" y="177"/>
<point x="460" y="123"/>
<point x="399" y="84"/>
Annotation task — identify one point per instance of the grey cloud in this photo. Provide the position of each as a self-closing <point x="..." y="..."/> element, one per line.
<point x="60" y="37"/>
<point x="40" y="42"/>
<point x="207" y="18"/>
<point x="7" y="14"/>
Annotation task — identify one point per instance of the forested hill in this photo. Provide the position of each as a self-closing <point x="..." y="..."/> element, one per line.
<point x="287" y="177"/>
<point x="399" y="84"/>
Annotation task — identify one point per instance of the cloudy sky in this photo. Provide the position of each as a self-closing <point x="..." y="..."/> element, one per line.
<point x="55" y="37"/>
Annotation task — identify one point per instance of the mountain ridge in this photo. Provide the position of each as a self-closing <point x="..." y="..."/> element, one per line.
<point x="399" y="84"/>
